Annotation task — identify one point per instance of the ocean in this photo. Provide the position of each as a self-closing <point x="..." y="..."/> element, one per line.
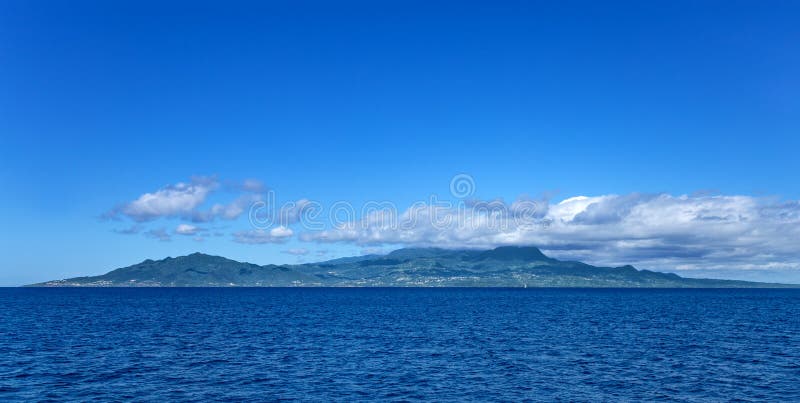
<point x="318" y="344"/>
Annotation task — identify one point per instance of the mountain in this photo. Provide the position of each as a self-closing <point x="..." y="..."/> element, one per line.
<point x="507" y="266"/>
<point x="193" y="270"/>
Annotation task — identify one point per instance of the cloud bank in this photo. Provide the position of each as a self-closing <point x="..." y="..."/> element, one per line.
<point x="712" y="233"/>
<point x="657" y="231"/>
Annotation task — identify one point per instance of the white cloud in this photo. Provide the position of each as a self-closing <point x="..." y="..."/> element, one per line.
<point x="186" y="229"/>
<point x="174" y="200"/>
<point x="281" y="232"/>
<point x="275" y="235"/>
<point x="656" y="231"/>
<point x="185" y="200"/>
<point x="229" y="211"/>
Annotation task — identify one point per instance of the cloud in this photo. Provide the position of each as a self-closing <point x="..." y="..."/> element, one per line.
<point x="161" y="234"/>
<point x="657" y="231"/>
<point x="281" y="232"/>
<point x="297" y="251"/>
<point x="253" y="186"/>
<point x="702" y="231"/>
<point x="171" y="201"/>
<point x="293" y="212"/>
<point x="184" y="200"/>
<point x="263" y="214"/>
<point x="132" y="230"/>
<point x="186" y="229"/>
<point x="229" y="211"/>
<point x="373" y="251"/>
<point x="276" y="235"/>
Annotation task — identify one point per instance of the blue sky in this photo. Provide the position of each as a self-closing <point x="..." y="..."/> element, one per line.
<point x="103" y="103"/>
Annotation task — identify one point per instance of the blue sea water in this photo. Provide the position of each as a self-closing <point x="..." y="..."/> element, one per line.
<point x="399" y="344"/>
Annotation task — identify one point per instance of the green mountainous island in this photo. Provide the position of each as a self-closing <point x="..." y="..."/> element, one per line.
<point x="418" y="267"/>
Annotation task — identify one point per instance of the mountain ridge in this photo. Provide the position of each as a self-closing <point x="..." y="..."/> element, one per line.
<point x="506" y="266"/>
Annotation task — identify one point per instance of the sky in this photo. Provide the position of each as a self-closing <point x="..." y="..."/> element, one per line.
<point x="658" y="134"/>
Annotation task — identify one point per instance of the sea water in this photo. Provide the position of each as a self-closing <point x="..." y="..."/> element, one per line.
<point x="160" y="344"/>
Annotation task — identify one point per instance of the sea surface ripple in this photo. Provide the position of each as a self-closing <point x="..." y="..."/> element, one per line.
<point x="399" y="344"/>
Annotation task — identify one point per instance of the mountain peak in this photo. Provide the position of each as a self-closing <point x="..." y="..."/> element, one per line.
<point x="192" y="257"/>
<point x="514" y="253"/>
<point x="199" y="255"/>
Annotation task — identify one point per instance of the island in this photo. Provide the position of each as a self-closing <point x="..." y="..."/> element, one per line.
<point x="508" y="266"/>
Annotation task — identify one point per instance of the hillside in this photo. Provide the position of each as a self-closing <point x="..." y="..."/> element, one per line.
<point x="412" y="267"/>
